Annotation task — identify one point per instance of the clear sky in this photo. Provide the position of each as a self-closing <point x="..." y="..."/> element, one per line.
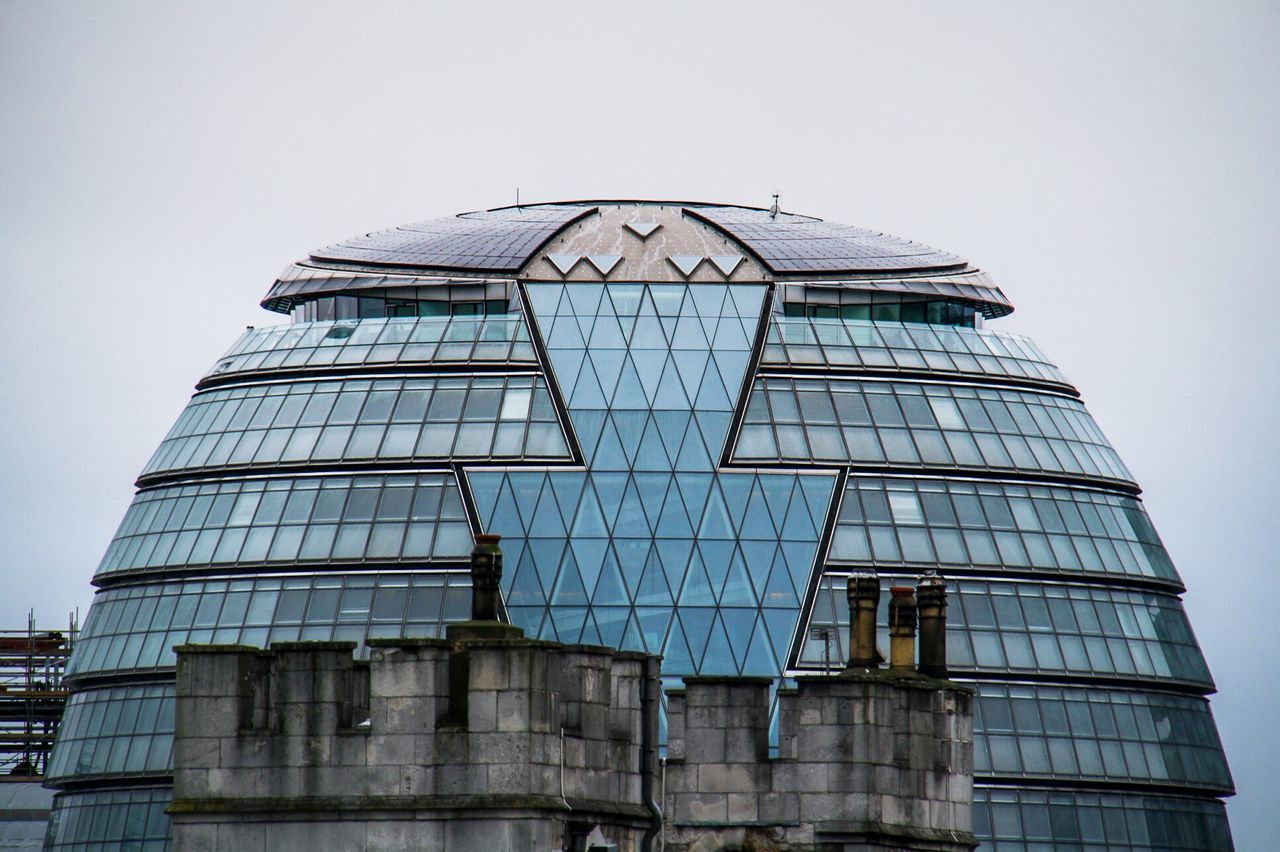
<point x="1113" y="165"/>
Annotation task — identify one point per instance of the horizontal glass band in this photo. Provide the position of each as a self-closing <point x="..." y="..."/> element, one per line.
<point x="362" y="420"/>
<point x="1035" y="628"/>
<point x="1096" y="734"/>
<point x="111" y="819"/>
<point x="291" y="520"/>
<point x="906" y="424"/>
<point x="956" y="524"/>
<point x="317" y="345"/>
<point x="850" y="344"/>
<point x="137" y="627"/>
<point x="1009" y="820"/>
<point x="115" y="731"/>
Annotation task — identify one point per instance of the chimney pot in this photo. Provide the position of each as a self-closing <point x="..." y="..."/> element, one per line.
<point x="902" y="628"/>
<point x="864" y="598"/>
<point x="931" y="597"/>
<point x="486" y="577"/>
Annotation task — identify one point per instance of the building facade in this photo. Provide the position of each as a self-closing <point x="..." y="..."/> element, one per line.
<point x="690" y="423"/>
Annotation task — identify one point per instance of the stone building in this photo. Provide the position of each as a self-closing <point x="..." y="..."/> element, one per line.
<point x="491" y="740"/>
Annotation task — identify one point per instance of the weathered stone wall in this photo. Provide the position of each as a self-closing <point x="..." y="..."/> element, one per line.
<point x="866" y="760"/>
<point x="489" y="741"/>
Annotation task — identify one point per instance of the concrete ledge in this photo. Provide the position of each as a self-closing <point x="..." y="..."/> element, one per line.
<point x="219" y="649"/>
<point x="407" y="642"/>
<point x="330" y="805"/>
<point x="314" y="646"/>
<point x="891" y="835"/>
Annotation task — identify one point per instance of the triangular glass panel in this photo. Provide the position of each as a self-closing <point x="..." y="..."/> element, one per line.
<point x="694" y="488"/>
<point x="799" y="555"/>
<point x="668" y="298"/>
<point x="689" y="334"/>
<point x="543" y="298"/>
<point x="648" y="334"/>
<point x="642" y="229"/>
<point x="609" y="454"/>
<point x="674" y="522"/>
<point x="779" y="591"/>
<point x="736" y="488"/>
<point x="738" y="623"/>
<point x="632" y="553"/>
<point x="547" y="522"/>
<point x="585" y="298"/>
<point x="685" y="263"/>
<point x="653" y="490"/>
<point x="587" y="393"/>
<point x="527" y="618"/>
<point x="690" y="363"/>
<point x="564" y="262"/>
<point x="632" y="639"/>
<point x="714" y="425"/>
<point x="610" y="588"/>
<point x="670" y="395"/>
<point x="748" y="301"/>
<point x="708" y="300"/>
<point x="607" y="334"/>
<point x="626" y="298"/>
<point x="565" y="333"/>
<point x="715" y="519"/>
<point x="590" y="632"/>
<point x="630" y="426"/>
<point x="546" y="556"/>
<point x="631" y="392"/>
<point x="693" y="453"/>
<point x="757" y="524"/>
<point x="712" y="395"/>
<point x="730" y="336"/>
<point x="567" y="486"/>
<point x="590" y="519"/>
<point x="781" y="624"/>
<point x="738" y="589"/>
<point x="672" y="426"/>
<point x="798" y="525"/>
<point x="604" y="263"/>
<point x="717" y="657"/>
<point x="566" y="364"/>
<point x="648" y="367"/>
<point x="726" y="263"/>
<point x="698" y="590"/>
<point x="569" y="589"/>
<point x="654" y="622"/>
<point x="715" y="557"/>
<point x="568" y="622"/>
<point x="676" y="656"/>
<point x="608" y="366"/>
<point x="588" y="425"/>
<point x="697" y="623"/>
<point x="777" y="494"/>
<point x="651" y="455"/>
<point x="525" y="588"/>
<point x="760" y="661"/>
<point x="732" y="367"/>
<point x="652" y="589"/>
<point x="611" y="621"/>
<point x="609" y="488"/>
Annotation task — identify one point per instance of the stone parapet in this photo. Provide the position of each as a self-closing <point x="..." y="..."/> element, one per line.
<point x="867" y="759"/>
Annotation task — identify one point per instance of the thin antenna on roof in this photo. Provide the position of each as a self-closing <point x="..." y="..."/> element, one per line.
<point x="773" y="211"/>
<point x="517" y="196"/>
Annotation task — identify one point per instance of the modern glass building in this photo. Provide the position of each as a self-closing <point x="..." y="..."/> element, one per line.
<point x="690" y="423"/>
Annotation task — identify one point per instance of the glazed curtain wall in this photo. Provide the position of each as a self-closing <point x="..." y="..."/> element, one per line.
<point x="653" y="547"/>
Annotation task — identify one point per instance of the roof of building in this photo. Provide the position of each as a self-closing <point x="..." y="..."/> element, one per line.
<point x="513" y="242"/>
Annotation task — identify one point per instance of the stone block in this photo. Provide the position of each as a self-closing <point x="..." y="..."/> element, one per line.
<point x="707" y="746"/>
<point x="513" y="711"/>
<point x="482" y="710"/>
<point x="392" y="749"/>
<point x="778" y="807"/>
<point x="742" y="807"/>
<point x="701" y="807"/>
<point x="733" y="778"/>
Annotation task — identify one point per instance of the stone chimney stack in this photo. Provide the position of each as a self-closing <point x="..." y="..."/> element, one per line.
<point x="864" y="598"/>
<point x="486" y="577"/>
<point x="931" y="597"/>
<point x="902" y="628"/>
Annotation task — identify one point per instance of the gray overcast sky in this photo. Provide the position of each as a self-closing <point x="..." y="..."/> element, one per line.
<point x="1113" y="165"/>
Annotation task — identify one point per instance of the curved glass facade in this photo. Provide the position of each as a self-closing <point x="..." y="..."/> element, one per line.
<point x="682" y="461"/>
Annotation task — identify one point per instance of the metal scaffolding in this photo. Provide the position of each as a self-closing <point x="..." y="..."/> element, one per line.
<point x="32" y="695"/>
